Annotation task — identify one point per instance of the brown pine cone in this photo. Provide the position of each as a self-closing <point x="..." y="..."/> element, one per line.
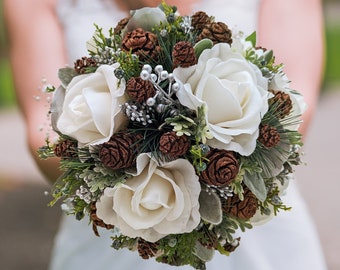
<point x="173" y="145"/>
<point x="242" y="209"/>
<point x="82" y="64"/>
<point x="230" y="247"/>
<point x="120" y="151"/>
<point x="142" y="43"/>
<point x="199" y="20"/>
<point x="269" y="136"/>
<point x="146" y="249"/>
<point x="222" y="168"/>
<point x="96" y="221"/>
<point x="139" y="89"/>
<point x="217" y="32"/>
<point x="66" y="149"/>
<point x="120" y="26"/>
<point x="183" y="55"/>
<point x="282" y="102"/>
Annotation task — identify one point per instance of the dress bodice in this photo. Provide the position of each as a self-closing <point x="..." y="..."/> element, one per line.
<point x="78" y="17"/>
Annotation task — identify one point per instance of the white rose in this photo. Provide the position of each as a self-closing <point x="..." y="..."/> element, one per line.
<point x="280" y="82"/>
<point x="146" y="18"/>
<point x="91" y="112"/>
<point x="157" y="201"/>
<point x="235" y="93"/>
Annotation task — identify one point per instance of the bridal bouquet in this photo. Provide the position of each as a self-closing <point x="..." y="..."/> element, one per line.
<point x="175" y="133"/>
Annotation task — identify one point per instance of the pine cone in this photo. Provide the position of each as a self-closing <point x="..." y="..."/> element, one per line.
<point x="183" y="54"/>
<point x="82" y="64"/>
<point x="199" y="20"/>
<point x="142" y="43"/>
<point x="146" y="249"/>
<point x="230" y="247"/>
<point x="222" y="168"/>
<point x="66" y="149"/>
<point x="96" y="221"/>
<point x="282" y="102"/>
<point x="139" y="89"/>
<point x="120" y="26"/>
<point x="269" y="136"/>
<point x="173" y="145"/>
<point x="120" y="151"/>
<point x="217" y="32"/>
<point x="242" y="209"/>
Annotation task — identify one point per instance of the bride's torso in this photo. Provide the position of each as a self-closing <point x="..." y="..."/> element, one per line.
<point x="78" y="17"/>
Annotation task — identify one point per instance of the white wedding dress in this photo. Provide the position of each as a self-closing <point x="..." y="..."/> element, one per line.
<point x="288" y="242"/>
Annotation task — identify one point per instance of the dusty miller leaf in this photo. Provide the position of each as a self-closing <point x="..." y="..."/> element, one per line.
<point x="66" y="75"/>
<point x="256" y="185"/>
<point x="210" y="207"/>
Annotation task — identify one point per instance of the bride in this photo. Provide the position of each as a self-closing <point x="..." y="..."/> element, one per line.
<point x="47" y="34"/>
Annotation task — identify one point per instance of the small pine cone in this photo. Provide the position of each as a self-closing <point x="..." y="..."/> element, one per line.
<point x="146" y="249"/>
<point x="269" y="136"/>
<point x="183" y="55"/>
<point x="199" y="20"/>
<point x="80" y="65"/>
<point x="66" y="149"/>
<point x="217" y="32"/>
<point x="120" y="26"/>
<point x="230" y="247"/>
<point x="222" y="168"/>
<point x="242" y="209"/>
<point x="142" y="43"/>
<point x="120" y="151"/>
<point x="139" y="89"/>
<point x="282" y="102"/>
<point x="96" y="221"/>
<point x="173" y="145"/>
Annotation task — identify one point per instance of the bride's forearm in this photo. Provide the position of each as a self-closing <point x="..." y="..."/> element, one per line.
<point x="294" y="30"/>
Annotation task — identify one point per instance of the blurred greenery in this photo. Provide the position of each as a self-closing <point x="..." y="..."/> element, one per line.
<point x="331" y="76"/>
<point x="332" y="71"/>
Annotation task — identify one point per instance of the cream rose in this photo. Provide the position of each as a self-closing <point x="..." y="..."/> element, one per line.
<point x="157" y="201"/>
<point x="146" y="18"/>
<point x="235" y="93"/>
<point x="90" y="112"/>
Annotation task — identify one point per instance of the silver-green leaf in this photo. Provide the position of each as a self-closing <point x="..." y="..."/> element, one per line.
<point x="202" y="45"/>
<point x="255" y="183"/>
<point x="205" y="254"/>
<point x="66" y="75"/>
<point x="210" y="207"/>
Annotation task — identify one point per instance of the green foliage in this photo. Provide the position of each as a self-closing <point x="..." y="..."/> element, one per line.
<point x="197" y="156"/>
<point x="7" y="96"/>
<point x="273" y="201"/>
<point x="121" y="241"/>
<point x="180" y="247"/>
<point x="227" y="228"/>
<point x="129" y="64"/>
<point x="332" y="68"/>
<point x="264" y="61"/>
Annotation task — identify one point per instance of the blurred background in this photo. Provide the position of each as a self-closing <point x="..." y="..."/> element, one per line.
<point x="27" y="225"/>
